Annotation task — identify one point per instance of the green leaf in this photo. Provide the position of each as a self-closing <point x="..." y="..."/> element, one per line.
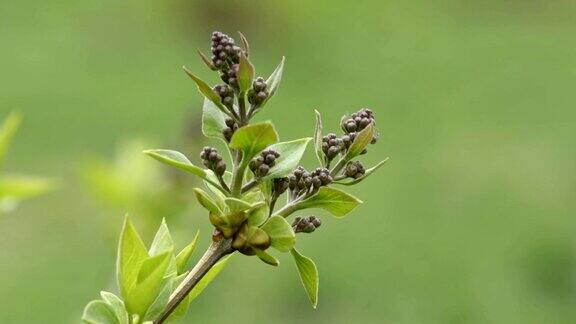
<point x="21" y="187"/>
<point x="254" y="138"/>
<point x="148" y="284"/>
<point x="162" y="241"/>
<point x="290" y="155"/>
<point x="267" y="258"/>
<point x="213" y="120"/>
<point x="363" y="138"/>
<point x="117" y="305"/>
<point x="161" y="300"/>
<point x="176" y="159"/>
<point x="139" y="276"/>
<point x="131" y="254"/>
<point x="181" y="309"/>
<point x="208" y="277"/>
<point x="206" y="90"/>
<point x="237" y="205"/>
<point x="318" y="139"/>
<point x="7" y="131"/>
<point x="281" y="233"/>
<point x="207" y="202"/>
<point x="206" y="61"/>
<point x="335" y="201"/>
<point x="184" y="255"/>
<point x="245" y="74"/>
<point x="308" y="275"/>
<point x="245" y="44"/>
<point x="99" y="312"/>
<point x="258" y="216"/>
<point x="366" y="174"/>
<point x="273" y="81"/>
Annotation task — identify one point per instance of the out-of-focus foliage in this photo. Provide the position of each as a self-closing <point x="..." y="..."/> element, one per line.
<point x="127" y="183"/>
<point x="15" y="188"/>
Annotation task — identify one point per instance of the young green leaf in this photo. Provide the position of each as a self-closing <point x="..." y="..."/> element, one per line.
<point x="184" y="255"/>
<point x="335" y="201"/>
<point x="181" y="309"/>
<point x="258" y="215"/>
<point x="162" y="241"/>
<point x="349" y="182"/>
<point x="245" y="74"/>
<point x="318" y="139"/>
<point x="267" y="258"/>
<point x="281" y="233"/>
<point x="131" y="255"/>
<point x="148" y="283"/>
<point x="363" y="138"/>
<point x="245" y="44"/>
<point x="208" y="277"/>
<point x="254" y="138"/>
<point x="308" y="275"/>
<point x="274" y="79"/>
<point x="161" y="300"/>
<point x="206" y="61"/>
<point x="117" y="305"/>
<point x="206" y="90"/>
<point x="7" y="131"/>
<point x="206" y="201"/>
<point x="237" y="205"/>
<point x="290" y="155"/>
<point x="176" y="159"/>
<point x="99" y="312"/>
<point x="213" y="120"/>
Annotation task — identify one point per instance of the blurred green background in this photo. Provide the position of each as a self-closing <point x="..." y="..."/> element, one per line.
<point x="471" y="221"/>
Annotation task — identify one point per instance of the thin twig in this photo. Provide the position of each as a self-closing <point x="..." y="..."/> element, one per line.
<point x="215" y="252"/>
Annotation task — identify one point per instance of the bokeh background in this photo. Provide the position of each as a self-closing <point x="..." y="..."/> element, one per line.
<point x="471" y="221"/>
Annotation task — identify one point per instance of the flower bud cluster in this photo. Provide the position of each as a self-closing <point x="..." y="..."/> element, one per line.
<point x="332" y="146"/>
<point x="230" y="129"/>
<point x="302" y="181"/>
<point x="226" y="57"/>
<point x="224" y="50"/>
<point x="306" y="224"/>
<point x="230" y="76"/>
<point x="226" y="94"/>
<point x="262" y="164"/>
<point x="354" y="169"/>
<point x="356" y="123"/>
<point x="279" y="186"/>
<point x="213" y="160"/>
<point x="258" y="93"/>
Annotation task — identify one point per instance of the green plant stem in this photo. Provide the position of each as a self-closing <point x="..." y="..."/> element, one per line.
<point x="242" y="109"/>
<point x="338" y="166"/>
<point x="237" y="178"/>
<point x="213" y="254"/>
<point x="290" y="207"/>
<point x="223" y="184"/>
<point x="272" y="204"/>
<point x="249" y="186"/>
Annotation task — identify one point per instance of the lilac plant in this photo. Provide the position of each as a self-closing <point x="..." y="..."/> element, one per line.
<point x="242" y="195"/>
